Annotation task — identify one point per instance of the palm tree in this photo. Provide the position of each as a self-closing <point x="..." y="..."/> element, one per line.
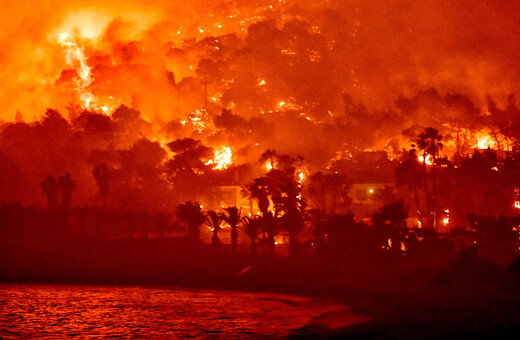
<point x="251" y="227"/>
<point x="269" y="225"/>
<point x="408" y="172"/>
<point x="328" y="188"/>
<point x="232" y="218"/>
<point x="191" y="213"/>
<point x="258" y="189"/>
<point x="429" y="142"/>
<point x="50" y="189"/>
<point x="245" y="192"/>
<point x="213" y="220"/>
<point x="101" y="174"/>
<point x="293" y="222"/>
<point x="270" y="156"/>
<point x="395" y="214"/>
<point x="390" y="220"/>
<point x="289" y="201"/>
<point x="316" y="219"/>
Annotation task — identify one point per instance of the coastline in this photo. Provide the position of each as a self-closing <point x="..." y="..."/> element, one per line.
<point x="464" y="297"/>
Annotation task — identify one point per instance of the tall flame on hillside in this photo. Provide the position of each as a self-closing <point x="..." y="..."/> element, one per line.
<point x="77" y="60"/>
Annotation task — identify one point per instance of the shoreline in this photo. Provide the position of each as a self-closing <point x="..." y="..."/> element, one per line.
<point x="463" y="296"/>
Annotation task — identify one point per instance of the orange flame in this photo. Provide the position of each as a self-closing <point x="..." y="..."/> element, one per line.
<point x="222" y="158"/>
<point x="75" y="58"/>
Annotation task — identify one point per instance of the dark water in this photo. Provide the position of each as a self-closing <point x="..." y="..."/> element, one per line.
<point x="31" y="311"/>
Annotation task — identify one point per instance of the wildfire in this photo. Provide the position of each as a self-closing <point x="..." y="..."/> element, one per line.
<point x="199" y="119"/>
<point x="222" y="158"/>
<point x="76" y="59"/>
<point x="485" y="141"/>
<point x="428" y="161"/>
<point x="446" y="219"/>
<point x="268" y="166"/>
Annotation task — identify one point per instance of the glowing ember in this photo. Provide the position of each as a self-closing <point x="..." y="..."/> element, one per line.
<point x="200" y="120"/>
<point x="517" y="204"/>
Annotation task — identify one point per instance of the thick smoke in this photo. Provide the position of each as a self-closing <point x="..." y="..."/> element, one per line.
<point x="374" y="51"/>
<point x="310" y="78"/>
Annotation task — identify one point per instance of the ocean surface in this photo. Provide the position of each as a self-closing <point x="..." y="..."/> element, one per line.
<point x="56" y="311"/>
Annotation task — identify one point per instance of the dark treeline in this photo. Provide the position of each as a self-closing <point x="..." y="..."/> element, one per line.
<point x="127" y="209"/>
<point x="382" y="269"/>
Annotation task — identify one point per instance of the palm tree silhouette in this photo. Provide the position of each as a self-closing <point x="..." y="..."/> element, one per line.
<point x="390" y="221"/>
<point x="258" y="189"/>
<point x="66" y="186"/>
<point x="429" y="142"/>
<point x="101" y="174"/>
<point x="409" y="172"/>
<point x="270" y="156"/>
<point x="214" y="220"/>
<point x="191" y="213"/>
<point x="288" y="200"/>
<point x="251" y="227"/>
<point x="232" y="218"/>
<point x="268" y="224"/>
<point x="50" y="189"/>
<point x="316" y="219"/>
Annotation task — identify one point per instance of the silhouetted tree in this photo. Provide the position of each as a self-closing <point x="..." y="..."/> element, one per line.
<point x="232" y="218"/>
<point x="188" y="163"/>
<point x="285" y="193"/>
<point x="251" y="228"/>
<point x="214" y="220"/>
<point x="409" y="172"/>
<point x="268" y="224"/>
<point x="66" y="186"/>
<point x="328" y="191"/>
<point x="258" y="189"/>
<point x="102" y="176"/>
<point x="269" y="156"/>
<point x="316" y="219"/>
<point x="390" y="223"/>
<point x="230" y="123"/>
<point x="50" y="189"/>
<point x="191" y="213"/>
<point x="429" y="142"/>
